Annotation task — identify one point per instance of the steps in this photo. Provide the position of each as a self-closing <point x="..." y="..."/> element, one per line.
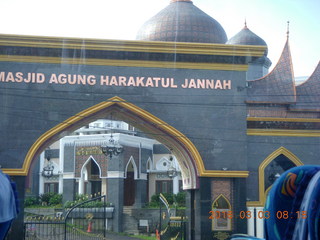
<point x="130" y="224"/>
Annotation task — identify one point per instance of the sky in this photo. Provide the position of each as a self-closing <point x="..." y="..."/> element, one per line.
<point x="121" y="19"/>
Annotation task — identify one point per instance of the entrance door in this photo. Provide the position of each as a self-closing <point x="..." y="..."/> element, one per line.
<point x="96" y="188"/>
<point x="129" y="189"/>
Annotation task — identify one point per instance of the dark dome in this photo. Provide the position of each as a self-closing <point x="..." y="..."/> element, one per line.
<point x="181" y="21"/>
<point x="247" y="37"/>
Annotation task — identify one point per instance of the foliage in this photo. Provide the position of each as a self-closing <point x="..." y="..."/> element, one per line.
<point x="172" y="199"/>
<point x="31" y="201"/>
<point x="55" y="199"/>
<point x="181" y="199"/>
<point x="46" y="199"/>
<point x="81" y="198"/>
<point x="50" y="199"/>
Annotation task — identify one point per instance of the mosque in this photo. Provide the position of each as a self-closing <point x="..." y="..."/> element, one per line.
<point x="232" y="123"/>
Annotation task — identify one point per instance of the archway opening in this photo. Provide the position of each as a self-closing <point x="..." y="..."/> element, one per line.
<point x="129" y="184"/>
<point x="118" y="109"/>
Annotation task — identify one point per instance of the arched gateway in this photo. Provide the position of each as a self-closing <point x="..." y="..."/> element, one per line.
<point x="188" y="156"/>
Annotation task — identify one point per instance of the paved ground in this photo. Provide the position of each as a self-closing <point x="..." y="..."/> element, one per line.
<point x="113" y="236"/>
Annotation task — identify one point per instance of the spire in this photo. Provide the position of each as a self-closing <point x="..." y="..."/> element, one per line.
<point x="288" y="23"/>
<point x="245" y="24"/>
<point x="180" y="1"/>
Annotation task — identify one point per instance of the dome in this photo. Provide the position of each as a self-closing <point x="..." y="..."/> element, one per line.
<point x="181" y="21"/>
<point x="247" y="37"/>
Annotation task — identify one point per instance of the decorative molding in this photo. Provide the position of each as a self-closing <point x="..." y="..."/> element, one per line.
<point x="258" y="119"/>
<point x="285" y="133"/>
<point x="115" y="174"/>
<point x="227" y="174"/>
<point x="132" y="46"/>
<point x="124" y="63"/>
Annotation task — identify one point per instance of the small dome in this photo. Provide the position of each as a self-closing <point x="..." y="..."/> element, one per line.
<point x="247" y="37"/>
<point x="181" y="21"/>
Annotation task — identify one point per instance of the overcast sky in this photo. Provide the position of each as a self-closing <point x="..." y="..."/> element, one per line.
<point x="121" y="19"/>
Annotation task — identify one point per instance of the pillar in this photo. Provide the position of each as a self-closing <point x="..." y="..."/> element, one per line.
<point x="41" y="180"/>
<point x="259" y="223"/>
<point x="115" y="193"/>
<point x="69" y="189"/>
<point x="250" y="225"/>
<point x="175" y="184"/>
<point x="140" y="193"/>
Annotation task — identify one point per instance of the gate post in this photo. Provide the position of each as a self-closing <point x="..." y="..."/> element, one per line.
<point x="115" y="196"/>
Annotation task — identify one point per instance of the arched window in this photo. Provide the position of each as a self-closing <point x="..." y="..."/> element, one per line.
<point x="275" y="168"/>
<point x="221" y="214"/>
<point x="271" y="168"/>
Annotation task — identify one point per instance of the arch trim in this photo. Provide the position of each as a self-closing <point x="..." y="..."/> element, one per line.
<point x="200" y="170"/>
<point x="262" y="193"/>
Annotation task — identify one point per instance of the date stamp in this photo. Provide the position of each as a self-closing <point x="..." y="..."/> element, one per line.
<point x="259" y="215"/>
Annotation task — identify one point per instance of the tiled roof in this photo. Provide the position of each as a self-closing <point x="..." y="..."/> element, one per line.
<point x="308" y="93"/>
<point x="181" y="21"/>
<point x="276" y="87"/>
<point x="247" y="37"/>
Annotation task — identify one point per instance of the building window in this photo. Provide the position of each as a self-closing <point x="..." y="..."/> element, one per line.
<point x="164" y="186"/>
<point x="51" y="187"/>
<point x="221" y="209"/>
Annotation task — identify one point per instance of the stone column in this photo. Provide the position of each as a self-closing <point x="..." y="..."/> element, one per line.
<point x="81" y="185"/>
<point x="175" y="183"/>
<point x="190" y="214"/>
<point x="140" y="193"/>
<point x="259" y="223"/>
<point x="41" y="180"/>
<point x="69" y="189"/>
<point x="115" y="196"/>
<point x="250" y="225"/>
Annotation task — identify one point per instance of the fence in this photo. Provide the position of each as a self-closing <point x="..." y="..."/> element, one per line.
<point x="86" y="220"/>
<point x="175" y="230"/>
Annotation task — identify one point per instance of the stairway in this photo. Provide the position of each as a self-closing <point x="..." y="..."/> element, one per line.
<point x="130" y="224"/>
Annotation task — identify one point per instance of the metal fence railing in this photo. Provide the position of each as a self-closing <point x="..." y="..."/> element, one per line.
<point x="85" y="220"/>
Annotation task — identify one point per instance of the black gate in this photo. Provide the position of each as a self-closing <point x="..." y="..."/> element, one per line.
<point x="170" y="228"/>
<point x="85" y="220"/>
<point x="175" y="230"/>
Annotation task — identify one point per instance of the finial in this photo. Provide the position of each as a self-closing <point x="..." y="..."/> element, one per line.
<point x="245" y="23"/>
<point x="180" y="1"/>
<point x="288" y="29"/>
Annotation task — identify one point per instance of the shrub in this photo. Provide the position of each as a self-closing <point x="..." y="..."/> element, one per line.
<point x="55" y="199"/>
<point x="81" y="198"/>
<point x="51" y="199"/>
<point x="31" y="201"/>
<point x="179" y="199"/>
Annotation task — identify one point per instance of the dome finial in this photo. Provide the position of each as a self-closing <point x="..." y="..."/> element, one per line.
<point x="180" y="1"/>
<point x="245" y="23"/>
<point x="288" y="23"/>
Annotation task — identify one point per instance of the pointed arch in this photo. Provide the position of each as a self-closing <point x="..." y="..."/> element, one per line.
<point x="135" y="169"/>
<point x="221" y="196"/>
<point x="87" y="162"/>
<point x="182" y="147"/>
<point x="149" y="164"/>
<point x="220" y="215"/>
<point x="280" y="151"/>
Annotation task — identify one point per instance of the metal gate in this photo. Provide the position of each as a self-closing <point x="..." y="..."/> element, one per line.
<point x="175" y="229"/>
<point x="170" y="228"/>
<point x="86" y="220"/>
